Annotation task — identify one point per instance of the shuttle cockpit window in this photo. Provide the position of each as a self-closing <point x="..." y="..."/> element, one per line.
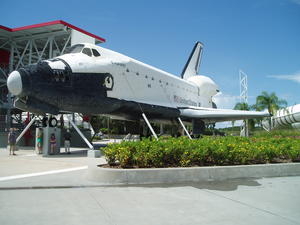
<point x="95" y="52"/>
<point x="87" y="51"/>
<point x="76" y="48"/>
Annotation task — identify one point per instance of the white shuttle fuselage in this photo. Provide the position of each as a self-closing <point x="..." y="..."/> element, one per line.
<point x="136" y="81"/>
<point x="94" y="80"/>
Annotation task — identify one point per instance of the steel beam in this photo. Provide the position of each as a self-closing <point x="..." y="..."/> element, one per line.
<point x="22" y="56"/>
<point x="184" y="128"/>
<point x="9" y="102"/>
<point x="149" y="125"/>
<point x="17" y="51"/>
<point x="45" y="46"/>
<point x="56" y="45"/>
<point x="244" y="99"/>
<point x="81" y="134"/>
<point x="30" y="52"/>
<point x="161" y="129"/>
<point x="50" y="47"/>
<point x="26" y="128"/>
<point x="41" y="36"/>
<point x="3" y="72"/>
<point x="7" y="42"/>
<point x="66" y="44"/>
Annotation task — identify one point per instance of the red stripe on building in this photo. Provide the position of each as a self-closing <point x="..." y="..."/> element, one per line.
<point x="52" y="23"/>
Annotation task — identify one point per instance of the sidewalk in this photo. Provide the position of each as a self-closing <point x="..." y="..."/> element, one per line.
<point x="27" y="161"/>
<point x="69" y="198"/>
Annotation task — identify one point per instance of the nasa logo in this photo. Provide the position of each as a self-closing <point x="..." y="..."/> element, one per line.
<point x="109" y="82"/>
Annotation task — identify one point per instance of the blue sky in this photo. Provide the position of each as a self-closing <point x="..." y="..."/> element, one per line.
<point x="261" y="37"/>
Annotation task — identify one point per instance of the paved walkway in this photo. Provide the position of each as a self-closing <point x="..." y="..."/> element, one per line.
<point x="27" y="161"/>
<point x="69" y="198"/>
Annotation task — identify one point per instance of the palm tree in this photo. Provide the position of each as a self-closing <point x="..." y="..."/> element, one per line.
<point x="242" y="106"/>
<point x="270" y="102"/>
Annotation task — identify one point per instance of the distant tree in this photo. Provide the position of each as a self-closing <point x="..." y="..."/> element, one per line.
<point x="98" y="122"/>
<point x="242" y="106"/>
<point x="270" y="102"/>
<point x="245" y="106"/>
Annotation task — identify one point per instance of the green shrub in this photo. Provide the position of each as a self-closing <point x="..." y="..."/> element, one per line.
<point x="207" y="151"/>
<point x="104" y="130"/>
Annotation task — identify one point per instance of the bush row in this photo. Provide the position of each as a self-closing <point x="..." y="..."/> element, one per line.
<point x="207" y="151"/>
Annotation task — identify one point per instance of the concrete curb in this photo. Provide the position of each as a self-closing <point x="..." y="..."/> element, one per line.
<point x="109" y="176"/>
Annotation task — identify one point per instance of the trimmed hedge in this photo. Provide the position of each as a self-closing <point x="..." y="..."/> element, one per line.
<point x="207" y="151"/>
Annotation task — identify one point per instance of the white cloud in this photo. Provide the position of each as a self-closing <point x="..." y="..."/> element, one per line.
<point x="296" y="2"/>
<point x="225" y="101"/>
<point x="228" y="124"/>
<point x="293" y="77"/>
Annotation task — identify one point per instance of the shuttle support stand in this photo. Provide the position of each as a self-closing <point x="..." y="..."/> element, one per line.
<point x="244" y="129"/>
<point x="161" y="129"/>
<point x="186" y="131"/>
<point x="149" y="125"/>
<point x="92" y="153"/>
<point x="81" y="135"/>
<point x="26" y="128"/>
<point x="47" y="131"/>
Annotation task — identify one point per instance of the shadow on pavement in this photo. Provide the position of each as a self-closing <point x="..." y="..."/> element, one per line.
<point x="228" y="185"/>
<point x="74" y="153"/>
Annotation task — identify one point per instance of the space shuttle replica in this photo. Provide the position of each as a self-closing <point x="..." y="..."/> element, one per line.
<point x="93" y="80"/>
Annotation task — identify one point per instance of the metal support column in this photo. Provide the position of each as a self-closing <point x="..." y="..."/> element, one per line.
<point x="161" y="129"/>
<point x="149" y="125"/>
<point x="50" y="47"/>
<point x="186" y="131"/>
<point x="9" y="100"/>
<point x="30" y="52"/>
<point x="244" y="99"/>
<point x="81" y="135"/>
<point x="244" y="129"/>
<point x="26" y="128"/>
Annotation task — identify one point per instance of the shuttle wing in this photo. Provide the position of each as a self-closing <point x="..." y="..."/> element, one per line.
<point x="219" y="115"/>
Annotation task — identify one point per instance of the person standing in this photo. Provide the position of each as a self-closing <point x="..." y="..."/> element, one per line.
<point x="67" y="137"/>
<point x="52" y="143"/>
<point x="12" y="141"/>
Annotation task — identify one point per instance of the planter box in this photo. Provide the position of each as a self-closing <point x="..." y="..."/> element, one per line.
<point x="108" y="176"/>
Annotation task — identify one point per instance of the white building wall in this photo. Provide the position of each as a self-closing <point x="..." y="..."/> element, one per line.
<point x="78" y="37"/>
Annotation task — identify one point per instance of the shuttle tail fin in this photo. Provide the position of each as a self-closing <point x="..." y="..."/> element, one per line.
<point x="191" y="67"/>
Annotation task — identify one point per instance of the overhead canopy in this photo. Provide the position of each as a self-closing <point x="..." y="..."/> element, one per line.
<point x="43" y="29"/>
<point x="40" y="41"/>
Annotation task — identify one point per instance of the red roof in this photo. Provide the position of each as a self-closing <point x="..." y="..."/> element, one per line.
<point x="50" y="24"/>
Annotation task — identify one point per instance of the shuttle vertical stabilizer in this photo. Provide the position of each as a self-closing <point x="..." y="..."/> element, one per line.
<point x="191" y="67"/>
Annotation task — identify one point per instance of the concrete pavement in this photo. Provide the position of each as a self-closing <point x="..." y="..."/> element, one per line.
<point x="68" y="198"/>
